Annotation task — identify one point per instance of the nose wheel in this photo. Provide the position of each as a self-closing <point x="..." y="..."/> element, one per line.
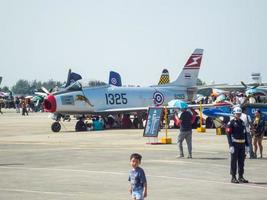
<point x="55" y="127"/>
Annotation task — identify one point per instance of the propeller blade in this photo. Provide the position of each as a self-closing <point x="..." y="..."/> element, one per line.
<point x="244" y="84"/>
<point x="45" y="90"/>
<point x="41" y="94"/>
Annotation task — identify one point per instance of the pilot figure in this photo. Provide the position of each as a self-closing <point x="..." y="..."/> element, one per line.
<point x="238" y="144"/>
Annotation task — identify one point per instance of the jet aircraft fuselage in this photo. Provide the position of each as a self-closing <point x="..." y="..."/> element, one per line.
<point x="111" y="98"/>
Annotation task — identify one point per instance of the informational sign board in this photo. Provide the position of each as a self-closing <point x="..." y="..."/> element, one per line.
<point x="153" y="122"/>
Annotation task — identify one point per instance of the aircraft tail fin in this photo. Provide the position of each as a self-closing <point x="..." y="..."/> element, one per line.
<point x="188" y="76"/>
<point x="164" y="78"/>
<point x="114" y="79"/>
<point x="72" y="77"/>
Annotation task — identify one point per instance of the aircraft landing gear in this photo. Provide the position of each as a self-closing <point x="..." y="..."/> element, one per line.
<point x="209" y="122"/>
<point x="56" y="127"/>
<point x="80" y="125"/>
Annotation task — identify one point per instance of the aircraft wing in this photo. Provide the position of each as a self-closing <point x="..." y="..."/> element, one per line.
<point x="138" y="109"/>
<point x="221" y="114"/>
<point x="124" y="110"/>
<point x="225" y="87"/>
<point x="228" y="87"/>
<point x="211" y="105"/>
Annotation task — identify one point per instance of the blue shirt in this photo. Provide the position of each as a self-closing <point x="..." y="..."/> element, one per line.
<point x="137" y="178"/>
<point x="98" y="125"/>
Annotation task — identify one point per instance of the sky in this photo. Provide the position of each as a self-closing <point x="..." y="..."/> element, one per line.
<point x="42" y="39"/>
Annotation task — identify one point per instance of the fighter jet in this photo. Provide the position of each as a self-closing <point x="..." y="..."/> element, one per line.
<point x="111" y="99"/>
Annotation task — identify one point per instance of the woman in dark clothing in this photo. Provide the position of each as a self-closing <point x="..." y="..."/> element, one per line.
<point x="258" y="124"/>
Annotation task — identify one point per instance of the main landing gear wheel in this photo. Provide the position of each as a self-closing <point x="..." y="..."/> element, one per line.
<point x="80" y="126"/>
<point x="209" y="123"/>
<point x="56" y="127"/>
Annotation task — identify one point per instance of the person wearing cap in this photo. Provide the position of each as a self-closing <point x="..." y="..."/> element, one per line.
<point x="258" y="124"/>
<point x="238" y="145"/>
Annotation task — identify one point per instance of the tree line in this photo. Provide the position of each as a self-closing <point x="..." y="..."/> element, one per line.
<point x="25" y="87"/>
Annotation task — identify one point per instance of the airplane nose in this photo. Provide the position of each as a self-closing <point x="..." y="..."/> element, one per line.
<point x="50" y="104"/>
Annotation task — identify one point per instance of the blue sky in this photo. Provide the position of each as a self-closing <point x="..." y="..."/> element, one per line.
<point x="42" y="39"/>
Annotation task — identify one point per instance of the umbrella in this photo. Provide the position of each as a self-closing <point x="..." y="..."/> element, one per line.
<point x="221" y="98"/>
<point x="178" y="103"/>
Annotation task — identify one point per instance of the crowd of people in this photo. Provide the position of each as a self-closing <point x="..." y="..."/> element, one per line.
<point x="236" y="98"/>
<point x="119" y="121"/>
<point x="22" y="104"/>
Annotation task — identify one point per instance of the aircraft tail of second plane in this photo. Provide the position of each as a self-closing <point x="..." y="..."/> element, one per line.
<point x="164" y="78"/>
<point x="189" y="74"/>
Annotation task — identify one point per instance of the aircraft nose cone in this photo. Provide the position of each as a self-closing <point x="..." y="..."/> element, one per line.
<point x="50" y="104"/>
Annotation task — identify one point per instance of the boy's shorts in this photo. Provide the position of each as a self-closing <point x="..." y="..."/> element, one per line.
<point x="138" y="194"/>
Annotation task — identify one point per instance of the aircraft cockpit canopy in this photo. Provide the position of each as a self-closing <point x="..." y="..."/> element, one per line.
<point x="76" y="86"/>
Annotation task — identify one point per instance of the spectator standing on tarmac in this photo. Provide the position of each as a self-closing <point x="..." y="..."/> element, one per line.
<point x="248" y="124"/>
<point x="252" y="99"/>
<point x="1" y="104"/>
<point x="185" y="132"/>
<point x="137" y="178"/>
<point x="238" y="145"/>
<point x="258" y="132"/>
<point x="17" y="105"/>
<point x="24" y="107"/>
<point x="241" y="99"/>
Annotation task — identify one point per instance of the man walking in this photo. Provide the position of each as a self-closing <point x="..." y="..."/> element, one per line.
<point x="185" y="132"/>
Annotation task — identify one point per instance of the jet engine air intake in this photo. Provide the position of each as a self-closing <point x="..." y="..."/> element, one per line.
<point x="50" y="104"/>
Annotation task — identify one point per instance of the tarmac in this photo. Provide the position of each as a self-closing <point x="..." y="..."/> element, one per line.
<point x="36" y="163"/>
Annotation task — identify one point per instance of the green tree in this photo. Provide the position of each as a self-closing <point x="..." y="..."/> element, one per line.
<point x="22" y="87"/>
<point x="95" y="83"/>
<point x="4" y="89"/>
<point x="34" y="85"/>
<point x="51" y="84"/>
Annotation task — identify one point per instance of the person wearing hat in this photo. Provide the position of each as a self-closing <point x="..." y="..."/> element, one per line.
<point x="258" y="124"/>
<point x="238" y="145"/>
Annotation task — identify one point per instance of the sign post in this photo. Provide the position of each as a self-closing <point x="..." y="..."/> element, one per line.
<point x="153" y="122"/>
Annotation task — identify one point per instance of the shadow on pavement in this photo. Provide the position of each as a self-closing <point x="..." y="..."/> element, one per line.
<point x="259" y="183"/>
<point x="10" y="164"/>
<point x="211" y="158"/>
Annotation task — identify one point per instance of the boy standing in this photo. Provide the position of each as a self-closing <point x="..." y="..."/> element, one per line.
<point x="137" y="178"/>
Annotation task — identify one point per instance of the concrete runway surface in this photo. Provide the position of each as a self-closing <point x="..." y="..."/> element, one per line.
<point x="38" y="164"/>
